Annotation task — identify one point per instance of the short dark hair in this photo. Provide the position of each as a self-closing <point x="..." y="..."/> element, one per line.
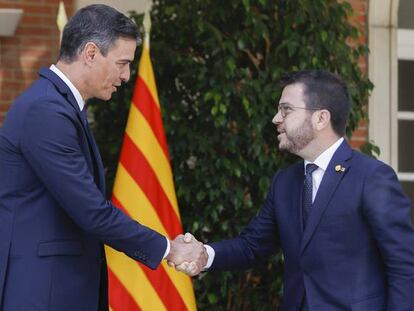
<point x="97" y="23"/>
<point x="324" y="90"/>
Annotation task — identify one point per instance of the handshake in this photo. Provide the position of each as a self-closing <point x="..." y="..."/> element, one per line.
<point x="187" y="255"/>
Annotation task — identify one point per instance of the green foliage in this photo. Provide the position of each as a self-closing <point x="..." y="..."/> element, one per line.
<point x="217" y="66"/>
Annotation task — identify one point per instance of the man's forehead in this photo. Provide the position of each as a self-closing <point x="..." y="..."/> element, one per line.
<point x="294" y="87"/>
<point x="292" y="92"/>
<point x="123" y="48"/>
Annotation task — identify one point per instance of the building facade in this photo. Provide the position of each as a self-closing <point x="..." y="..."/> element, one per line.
<point x="391" y="68"/>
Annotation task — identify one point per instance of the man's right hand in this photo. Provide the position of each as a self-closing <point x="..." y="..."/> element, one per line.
<point x="187" y="254"/>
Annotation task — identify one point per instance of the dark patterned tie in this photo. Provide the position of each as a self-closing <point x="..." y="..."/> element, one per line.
<point x="307" y="192"/>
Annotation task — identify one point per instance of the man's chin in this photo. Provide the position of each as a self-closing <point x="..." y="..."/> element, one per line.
<point x="284" y="147"/>
<point x="105" y="97"/>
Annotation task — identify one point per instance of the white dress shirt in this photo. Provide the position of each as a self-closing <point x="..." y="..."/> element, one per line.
<point x="322" y="161"/>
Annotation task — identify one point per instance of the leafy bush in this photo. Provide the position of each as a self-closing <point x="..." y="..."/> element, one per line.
<point x="217" y="65"/>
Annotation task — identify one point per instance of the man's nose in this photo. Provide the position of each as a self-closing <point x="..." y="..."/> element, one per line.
<point x="125" y="74"/>
<point x="277" y="119"/>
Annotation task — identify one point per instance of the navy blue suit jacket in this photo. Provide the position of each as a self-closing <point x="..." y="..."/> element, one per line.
<point x="357" y="251"/>
<point x="54" y="217"/>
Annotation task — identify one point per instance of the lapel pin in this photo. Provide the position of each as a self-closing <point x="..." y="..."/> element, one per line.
<point x="339" y="168"/>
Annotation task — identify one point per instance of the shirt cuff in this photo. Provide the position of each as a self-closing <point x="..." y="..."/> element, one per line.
<point x="211" y="253"/>
<point x="167" y="251"/>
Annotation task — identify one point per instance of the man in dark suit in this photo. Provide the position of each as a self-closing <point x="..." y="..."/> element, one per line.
<point x="54" y="218"/>
<point x="339" y="217"/>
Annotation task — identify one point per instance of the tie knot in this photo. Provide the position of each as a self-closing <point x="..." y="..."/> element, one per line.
<point x="310" y="168"/>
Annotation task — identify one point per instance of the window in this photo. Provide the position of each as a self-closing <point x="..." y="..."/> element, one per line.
<point x="404" y="123"/>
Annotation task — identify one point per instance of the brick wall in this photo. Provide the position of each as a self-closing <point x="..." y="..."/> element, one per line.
<point x="360" y="18"/>
<point x="34" y="45"/>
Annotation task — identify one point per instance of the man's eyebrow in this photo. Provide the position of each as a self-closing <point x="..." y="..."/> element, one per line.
<point x="124" y="61"/>
<point x="283" y="104"/>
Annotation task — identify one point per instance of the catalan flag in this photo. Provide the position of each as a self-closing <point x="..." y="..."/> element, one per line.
<point x="144" y="189"/>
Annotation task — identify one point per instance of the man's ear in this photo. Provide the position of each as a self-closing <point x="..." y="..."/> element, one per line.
<point x="90" y="52"/>
<point x="321" y="119"/>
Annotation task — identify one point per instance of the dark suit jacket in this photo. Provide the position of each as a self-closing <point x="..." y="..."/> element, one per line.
<point x="357" y="251"/>
<point x="54" y="217"/>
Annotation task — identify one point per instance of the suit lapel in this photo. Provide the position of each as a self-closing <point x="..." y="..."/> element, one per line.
<point x="288" y="202"/>
<point x="330" y="181"/>
<point x="99" y="164"/>
<point x="297" y="188"/>
<point x="61" y="87"/>
<point x="99" y="169"/>
<point x="67" y="93"/>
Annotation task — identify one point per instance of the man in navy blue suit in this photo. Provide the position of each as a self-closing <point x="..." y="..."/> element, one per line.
<point x="54" y="218"/>
<point x="339" y="217"/>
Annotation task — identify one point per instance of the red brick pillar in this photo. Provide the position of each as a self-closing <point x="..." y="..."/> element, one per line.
<point x="360" y="7"/>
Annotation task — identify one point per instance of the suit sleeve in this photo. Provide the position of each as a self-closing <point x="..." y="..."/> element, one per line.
<point x="388" y="212"/>
<point x="50" y="144"/>
<point x="255" y="243"/>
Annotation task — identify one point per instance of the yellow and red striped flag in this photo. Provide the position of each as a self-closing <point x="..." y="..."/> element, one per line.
<point x="144" y="189"/>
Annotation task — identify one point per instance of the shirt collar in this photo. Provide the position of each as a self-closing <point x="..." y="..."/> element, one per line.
<point x="74" y="90"/>
<point x="322" y="161"/>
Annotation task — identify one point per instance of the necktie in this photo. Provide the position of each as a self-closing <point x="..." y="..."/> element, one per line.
<point x="307" y="192"/>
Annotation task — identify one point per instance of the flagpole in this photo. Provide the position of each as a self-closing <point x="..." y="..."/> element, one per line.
<point x="147" y="26"/>
<point x="61" y="19"/>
